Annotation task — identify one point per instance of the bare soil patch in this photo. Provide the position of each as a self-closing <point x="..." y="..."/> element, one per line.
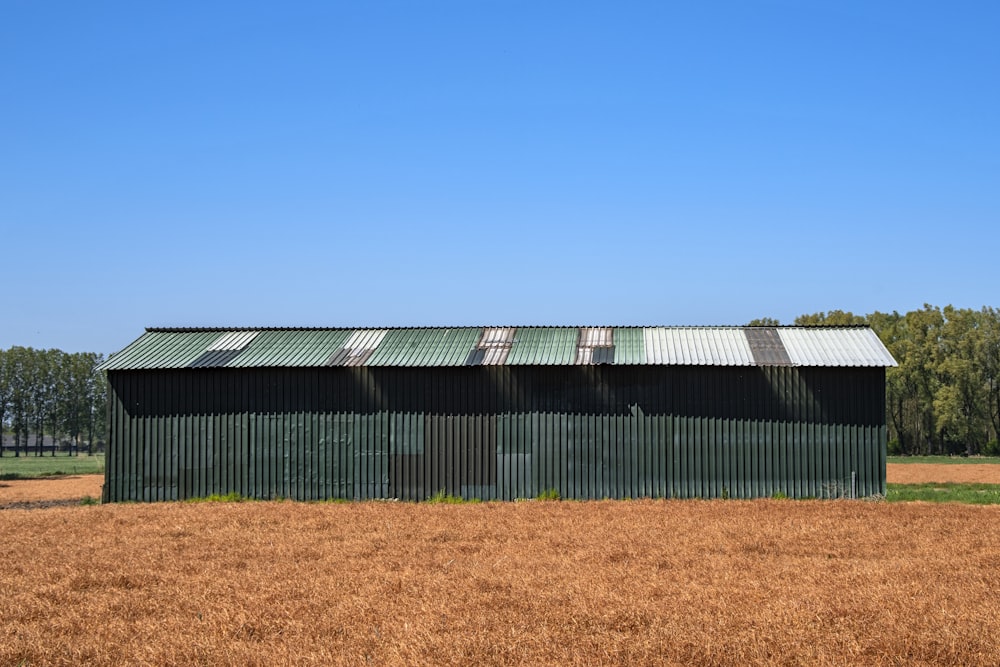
<point x="614" y="582"/>
<point x="922" y="473"/>
<point x="50" y="489"/>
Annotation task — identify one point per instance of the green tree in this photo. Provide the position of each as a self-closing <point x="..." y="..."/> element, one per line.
<point x="74" y="388"/>
<point x="5" y="388"/>
<point x="960" y="410"/>
<point x="834" y="318"/>
<point x="19" y="368"/>
<point x="919" y="352"/>
<point x="990" y="366"/>
<point x="97" y="403"/>
<point x="42" y="392"/>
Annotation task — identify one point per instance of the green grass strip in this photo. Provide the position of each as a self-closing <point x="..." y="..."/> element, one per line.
<point x="945" y="492"/>
<point x="945" y="460"/>
<point x="30" y="467"/>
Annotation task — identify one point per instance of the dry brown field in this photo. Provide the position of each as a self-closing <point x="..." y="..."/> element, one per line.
<point x="612" y="582"/>
<point x="922" y="473"/>
<point x="49" y="490"/>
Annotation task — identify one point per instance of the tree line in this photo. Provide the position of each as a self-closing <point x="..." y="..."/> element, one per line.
<point x="944" y="397"/>
<point x="51" y="393"/>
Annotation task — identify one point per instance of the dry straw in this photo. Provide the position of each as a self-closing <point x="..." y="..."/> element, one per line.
<point x="922" y="473"/>
<point x="644" y="582"/>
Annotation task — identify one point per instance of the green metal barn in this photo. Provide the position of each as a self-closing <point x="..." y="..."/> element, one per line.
<point x="498" y="413"/>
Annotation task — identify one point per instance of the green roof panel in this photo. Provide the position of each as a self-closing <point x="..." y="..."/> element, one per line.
<point x="163" y="349"/>
<point x="426" y="347"/>
<point x="629" y="348"/>
<point x="544" y="346"/>
<point x="291" y="348"/>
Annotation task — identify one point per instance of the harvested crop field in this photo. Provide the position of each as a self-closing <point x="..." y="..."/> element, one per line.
<point x="922" y="473"/>
<point x="44" y="491"/>
<point x="627" y="582"/>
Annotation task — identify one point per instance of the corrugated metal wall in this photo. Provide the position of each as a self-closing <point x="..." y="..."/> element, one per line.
<point x="496" y="432"/>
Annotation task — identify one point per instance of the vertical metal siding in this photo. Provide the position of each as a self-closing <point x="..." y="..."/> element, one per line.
<point x="496" y="432"/>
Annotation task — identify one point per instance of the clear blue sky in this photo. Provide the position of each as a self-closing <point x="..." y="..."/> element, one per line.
<point x="484" y="162"/>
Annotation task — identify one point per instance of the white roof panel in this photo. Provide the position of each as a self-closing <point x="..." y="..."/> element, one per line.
<point x="697" y="346"/>
<point x="814" y="346"/>
<point x="233" y="340"/>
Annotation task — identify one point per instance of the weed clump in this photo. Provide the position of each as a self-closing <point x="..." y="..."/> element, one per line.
<point x="442" y="497"/>
<point x="231" y="497"/>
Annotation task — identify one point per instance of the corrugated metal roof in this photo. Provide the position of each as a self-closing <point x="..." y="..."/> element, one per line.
<point x="766" y="346"/>
<point x="291" y="348"/>
<point x="597" y="346"/>
<point x="697" y="346"/>
<point x="495" y="344"/>
<point x="233" y="340"/>
<point x="533" y="346"/>
<point x="163" y="349"/>
<point x="815" y="346"/>
<point x="630" y="346"/>
<point x="544" y="346"/>
<point x="425" y="347"/>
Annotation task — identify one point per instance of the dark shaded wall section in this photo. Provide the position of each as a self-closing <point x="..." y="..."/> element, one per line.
<point x="500" y="432"/>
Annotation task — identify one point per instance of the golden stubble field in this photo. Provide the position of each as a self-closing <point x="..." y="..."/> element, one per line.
<point x="612" y="582"/>
<point x="921" y="473"/>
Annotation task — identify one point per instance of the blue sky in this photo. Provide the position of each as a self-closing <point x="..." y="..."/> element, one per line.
<point x="485" y="162"/>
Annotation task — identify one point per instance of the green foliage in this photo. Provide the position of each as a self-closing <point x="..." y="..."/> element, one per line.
<point x="442" y="497"/>
<point x="52" y="393"/>
<point x="992" y="448"/>
<point x="837" y="318"/>
<point x="764" y="322"/>
<point x="549" y="494"/>
<point x="972" y="494"/>
<point x="231" y="497"/>
<point x="893" y="448"/>
<point x="89" y="500"/>
<point x="942" y="397"/>
<point x="779" y="495"/>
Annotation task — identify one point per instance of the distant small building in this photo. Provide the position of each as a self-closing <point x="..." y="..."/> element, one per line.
<point x="498" y="413"/>
<point x="29" y="444"/>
